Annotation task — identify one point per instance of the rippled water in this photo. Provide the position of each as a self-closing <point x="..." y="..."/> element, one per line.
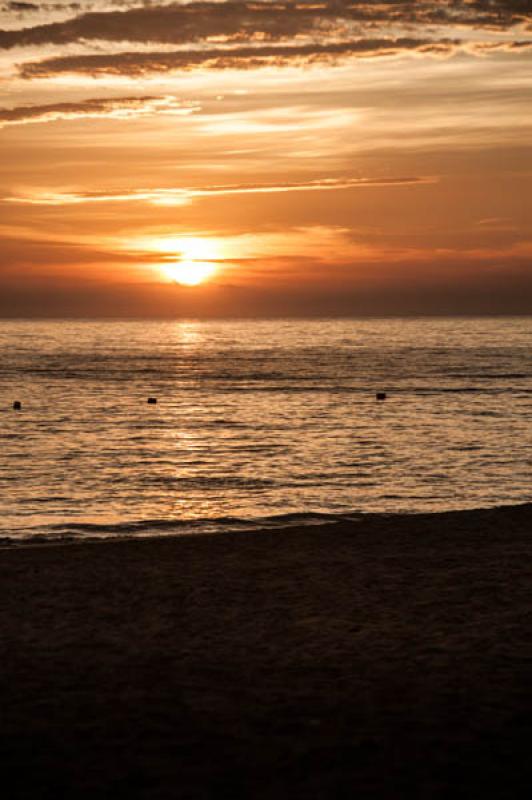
<point x="258" y="419"/>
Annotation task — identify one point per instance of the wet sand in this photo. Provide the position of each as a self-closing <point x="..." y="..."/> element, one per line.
<point x="386" y="658"/>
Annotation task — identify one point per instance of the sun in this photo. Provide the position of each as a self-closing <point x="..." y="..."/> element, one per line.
<point x="189" y="273"/>
<point x="197" y="259"/>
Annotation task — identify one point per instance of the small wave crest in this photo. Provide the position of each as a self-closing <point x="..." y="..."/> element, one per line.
<point x="86" y="531"/>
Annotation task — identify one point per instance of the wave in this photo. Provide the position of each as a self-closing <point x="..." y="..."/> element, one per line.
<point x="209" y="482"/>
<point x="91" y="532"/>
<point x="488" y="376"/>
<point x="86" y="531"/>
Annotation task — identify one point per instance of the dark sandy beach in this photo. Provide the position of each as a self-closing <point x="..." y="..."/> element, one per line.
<point x="387" y="658"/>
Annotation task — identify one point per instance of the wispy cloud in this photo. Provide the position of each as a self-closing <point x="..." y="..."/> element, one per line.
<point x="183" y="196"/>
<point x="133" y="64"/>
<point x="504" y="46"/>
<point x="115" y="108"/>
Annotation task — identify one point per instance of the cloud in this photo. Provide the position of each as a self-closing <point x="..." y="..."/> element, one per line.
<point x="182" y="196"/>
<point x="481" y="48"/>
<point x="115" y="107"/>
<point x="21" y="7"/>
<point x="177" y="23"/>
<point x="253" y="34"/>
<point x="33" y="8"/>
<point x="135" y="63"/>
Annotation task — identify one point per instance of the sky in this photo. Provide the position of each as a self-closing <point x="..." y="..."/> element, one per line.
<point x="265" y="158"/>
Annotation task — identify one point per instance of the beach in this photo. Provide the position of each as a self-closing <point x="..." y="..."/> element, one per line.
<point x="388" y="657"/>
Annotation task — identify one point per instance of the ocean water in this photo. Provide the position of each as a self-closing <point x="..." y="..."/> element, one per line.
<point x="257" y="422"/>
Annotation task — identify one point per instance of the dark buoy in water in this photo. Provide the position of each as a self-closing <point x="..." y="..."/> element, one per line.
<point x="381" y="395"/>
<point x="152" y="401"/>
<point x="17" y="405"/>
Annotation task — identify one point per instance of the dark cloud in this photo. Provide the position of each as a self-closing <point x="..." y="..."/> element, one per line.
<point x="488" y="47"/>
<point x="21" y="7"/>
<point x="174" y="24"/>
<point x="31" y="8"/>
<point x="133" y="63"/>
<point x="90" y="108"/>
<point x="244" y="35"/>
<point x="193" y="22"/>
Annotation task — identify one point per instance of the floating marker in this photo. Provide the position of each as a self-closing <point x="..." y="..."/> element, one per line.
<point x="17" y="405"/>
<point x="152" y="401"/>
<point x="381" y="395"/>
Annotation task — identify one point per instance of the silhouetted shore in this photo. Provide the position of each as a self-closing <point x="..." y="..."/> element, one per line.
<point x="387" y="658"/>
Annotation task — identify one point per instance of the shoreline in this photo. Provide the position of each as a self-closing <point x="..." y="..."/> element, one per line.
<point x="298" y="520"/>
<point x="388" y="658"/>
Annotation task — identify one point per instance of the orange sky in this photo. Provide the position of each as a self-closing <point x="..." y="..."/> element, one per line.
<point x="296" y="158"/>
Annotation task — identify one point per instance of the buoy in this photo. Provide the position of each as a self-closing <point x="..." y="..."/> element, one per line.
<point x="381" y="395"/>
<point x="152" y="401"/>
<point x="17" y="405"/>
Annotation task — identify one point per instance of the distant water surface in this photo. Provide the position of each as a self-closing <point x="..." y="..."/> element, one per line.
<point x="258" y="420"/>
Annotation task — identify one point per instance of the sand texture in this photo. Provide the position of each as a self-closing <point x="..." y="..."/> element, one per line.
<point x="385" y="658"/>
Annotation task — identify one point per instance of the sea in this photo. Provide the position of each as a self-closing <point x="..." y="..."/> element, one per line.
<point x="257" y="424"/>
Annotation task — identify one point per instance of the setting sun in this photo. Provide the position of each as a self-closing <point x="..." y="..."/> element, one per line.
<point x="195" y="259"/>
<point x="190" y="273"/>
